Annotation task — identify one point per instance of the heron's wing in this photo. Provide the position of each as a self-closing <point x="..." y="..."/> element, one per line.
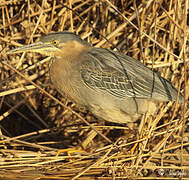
<point x="123" y="76"/>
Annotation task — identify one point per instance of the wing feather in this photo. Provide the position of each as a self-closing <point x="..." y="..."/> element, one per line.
<point x="123" y="76"/>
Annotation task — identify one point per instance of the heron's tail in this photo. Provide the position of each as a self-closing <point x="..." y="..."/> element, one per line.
<point x="165" y="91"/>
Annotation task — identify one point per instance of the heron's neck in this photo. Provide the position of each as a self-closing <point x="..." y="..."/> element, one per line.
<point x="72" y="51"/>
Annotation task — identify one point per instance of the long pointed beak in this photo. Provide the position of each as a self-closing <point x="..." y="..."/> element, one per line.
<point x="39" y="47"/>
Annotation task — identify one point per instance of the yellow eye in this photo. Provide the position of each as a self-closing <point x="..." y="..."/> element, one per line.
<point x="55" y="42"/>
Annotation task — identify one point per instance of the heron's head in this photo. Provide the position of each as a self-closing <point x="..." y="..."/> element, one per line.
<point x="54" y="44"/>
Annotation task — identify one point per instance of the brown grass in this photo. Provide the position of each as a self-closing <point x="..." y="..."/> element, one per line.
<point x="36" y="121"/>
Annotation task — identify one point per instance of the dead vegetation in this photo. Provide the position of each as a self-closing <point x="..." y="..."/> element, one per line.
<point x="36" y="122"/>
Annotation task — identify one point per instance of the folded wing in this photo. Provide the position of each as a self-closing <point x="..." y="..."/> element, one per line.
<point x="123" y="77"/>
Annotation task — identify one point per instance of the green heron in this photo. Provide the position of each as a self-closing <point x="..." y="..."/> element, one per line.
<point x="111" y="85"/>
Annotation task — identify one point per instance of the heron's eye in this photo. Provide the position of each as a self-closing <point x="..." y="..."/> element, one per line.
<point x="55" y="42"/>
